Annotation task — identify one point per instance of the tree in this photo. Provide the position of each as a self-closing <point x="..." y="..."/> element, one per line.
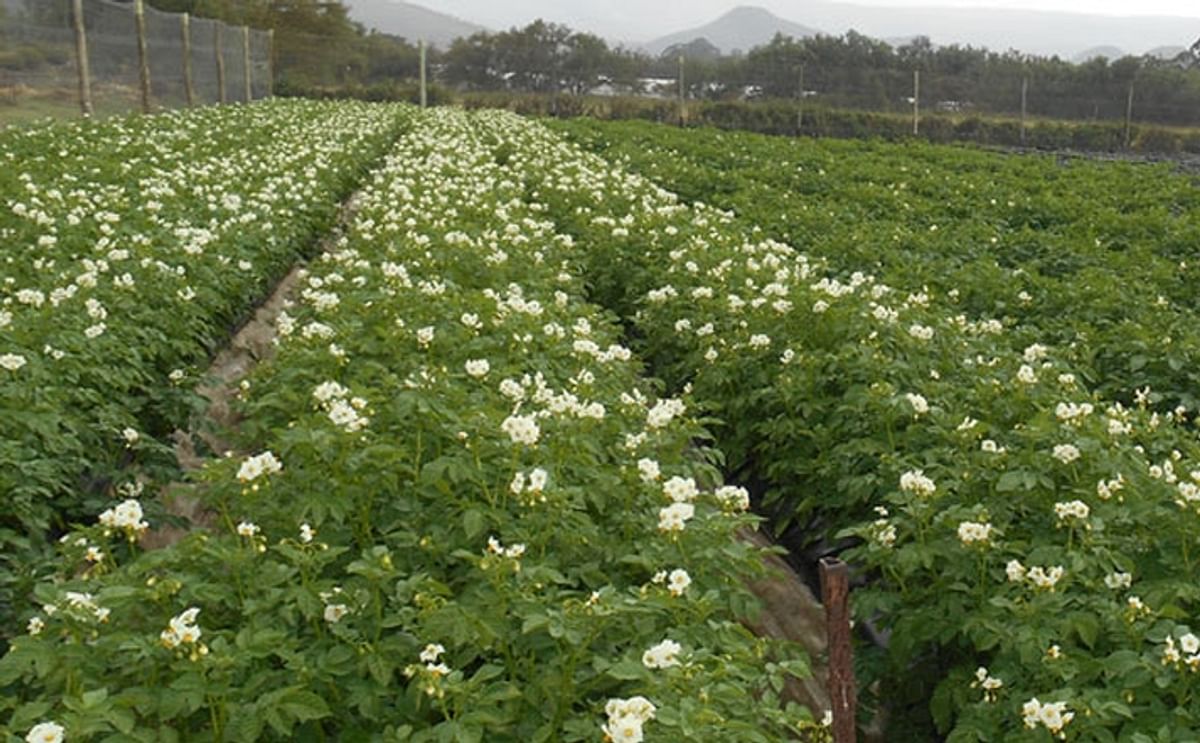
<point x="586" y="60"/>
<point x="532" y="57"/>
<point x="471" y="63"/>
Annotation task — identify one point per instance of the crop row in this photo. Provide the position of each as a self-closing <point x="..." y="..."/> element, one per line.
<point x="466" y="515"/>
<point x="1030" y="543"/>
<point x="1096" y="258"/>
<point x="136" y="245"/>
<point x="463" y="481"/>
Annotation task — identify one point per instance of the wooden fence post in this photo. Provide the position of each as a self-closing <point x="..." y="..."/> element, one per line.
<point x="1129" y="116"/>
<point x="270" y="62"/>
<point x="139" y="22"/>
<point x="835" y="592"/>
<point x="219" y="48"/>
<point x="185" y="32"/>
<point x="800" y="107"/>
<point x="682" y="95"/>
<point x="1024" y="91"/>
<point x="249" y="80"/>
<point x="81" y="60"/>
<point x="424" y="92"/>
<point x="916" y="102"/>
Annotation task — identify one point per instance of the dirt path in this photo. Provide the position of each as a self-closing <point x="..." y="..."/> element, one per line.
<point x="251" y="344"/>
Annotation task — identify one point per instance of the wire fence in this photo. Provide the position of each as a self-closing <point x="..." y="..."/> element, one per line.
<point x="138" y="58"/>
<point x="1164" y="95"/>
<point x="63" y="56"/>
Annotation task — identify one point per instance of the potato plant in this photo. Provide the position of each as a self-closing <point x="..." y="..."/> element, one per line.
<point x="137" y="244"/>
<point x="1029" y="543"/>
<point x="463" y="515"/>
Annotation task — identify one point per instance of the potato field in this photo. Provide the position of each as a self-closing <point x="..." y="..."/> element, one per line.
<point x="531" y="386"/>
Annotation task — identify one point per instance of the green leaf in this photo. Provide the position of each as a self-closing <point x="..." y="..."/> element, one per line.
<point x="627" y="670"/>
<point x="304" y="706"/>
<point x="1087" y="626"/>
<point x="1015" y="480"/>
<point x="473" y="523"/>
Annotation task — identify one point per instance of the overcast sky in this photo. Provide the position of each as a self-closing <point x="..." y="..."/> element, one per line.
<point x="1186" y="8"/>
<point x="640" y="21"/>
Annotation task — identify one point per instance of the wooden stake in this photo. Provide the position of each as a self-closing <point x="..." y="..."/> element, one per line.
<point x="1024" y="90"/>
<point x="916" y="102"/>
<point x="185" y="32"/>
<point x="1129" y="116"/>
<point x="139" y="22"/>
<point x="218" y="45"/>
<point x="682" y="103"/>
<point x="249" y="78"/>
<point x="800" y="106"/>
<point x="270" y="62"/>
<point x="835" y="593"/>
<point x="81" y="60"/>
<point x="424" y="93"/>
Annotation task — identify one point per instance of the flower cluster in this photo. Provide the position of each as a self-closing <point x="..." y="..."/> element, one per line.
<point x="974" y="533"/>
<point x="1054" y="716"/>
<point x="663" y="655"/>
<point x="126" y="515"/>
<point x="522" y="429"/>
<point x="680" y="489"/>
<point x="257" y="466"/>
<point x="182" y="630"/>
<point x="344" y="411"/>
<point x="432" y="673"/>
<point x="916" y="482"/>
<point x="989" y="684"/>
<point x="1041" y="578"/>
<point x="626" y="717"/>
<point x="1186" y="654"/>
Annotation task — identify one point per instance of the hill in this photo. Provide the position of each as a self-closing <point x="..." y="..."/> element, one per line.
<point x="410" y="21"/>
<point x="742" y="28"/>
<point x="1108" y="52"/>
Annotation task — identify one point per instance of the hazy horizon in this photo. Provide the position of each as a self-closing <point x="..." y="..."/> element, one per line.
<point x="616" y="18"/>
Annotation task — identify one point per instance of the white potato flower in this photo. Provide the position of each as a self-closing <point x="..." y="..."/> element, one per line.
<point x="1066" y="453"/>
<point x="971" y="532"/>
<point x="680" y="489"/>
<point x="46" y="732"/>
<point x="648" y="470"/>
<point x="733" y="497"/>
<point x="678" y="581"/>
<point x="915" y="481"/>
<point x="674" y="517"/>
<point x="12" y="361"/>
<point x="259" y="465"/>
<point x="522" y="429"/>
<point x="663" y="655"/>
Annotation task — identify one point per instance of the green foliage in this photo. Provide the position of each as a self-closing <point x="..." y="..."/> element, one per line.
<point x="436" y="548"/>
<point x="541" y="57"/>
<point x="143" y="251"/>
<point x="979" y="380"/>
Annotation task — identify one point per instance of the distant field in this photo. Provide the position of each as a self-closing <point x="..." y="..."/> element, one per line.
<point x="784" y="117"/>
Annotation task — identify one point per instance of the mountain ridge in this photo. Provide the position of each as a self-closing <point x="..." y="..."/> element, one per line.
<point x="738" y="29"/>
<point x="1041" y="32"/>
<point x="411" y="21"/>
